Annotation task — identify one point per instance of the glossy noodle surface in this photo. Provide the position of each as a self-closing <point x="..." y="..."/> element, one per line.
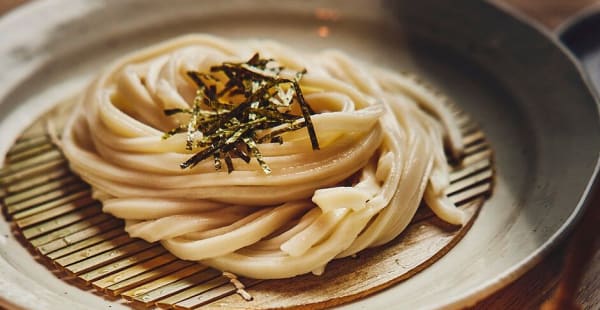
<point x="384" y="141"/>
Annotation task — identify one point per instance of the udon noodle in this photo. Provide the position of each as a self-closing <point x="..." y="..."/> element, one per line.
<point x="382" y="140"/>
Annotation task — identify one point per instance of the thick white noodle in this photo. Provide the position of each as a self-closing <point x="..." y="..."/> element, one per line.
<point x="382" y="138"/>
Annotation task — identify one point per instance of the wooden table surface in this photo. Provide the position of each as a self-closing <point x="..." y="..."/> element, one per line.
<point x="536" y="286"/>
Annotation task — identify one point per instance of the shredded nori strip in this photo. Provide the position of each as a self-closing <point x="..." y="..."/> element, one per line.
<point x="224" y="122"/>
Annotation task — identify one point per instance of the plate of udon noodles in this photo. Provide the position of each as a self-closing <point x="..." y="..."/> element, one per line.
<point x="268" y="155"/>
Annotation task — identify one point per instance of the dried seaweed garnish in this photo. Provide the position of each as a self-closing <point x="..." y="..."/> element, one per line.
<point x="227" y="114"/>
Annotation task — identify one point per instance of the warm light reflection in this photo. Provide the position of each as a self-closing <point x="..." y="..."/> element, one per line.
<point x="327" y="14"/>
<point x="323" y="31"/>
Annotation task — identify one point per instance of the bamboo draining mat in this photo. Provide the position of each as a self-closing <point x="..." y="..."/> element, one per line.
<point x="54" y="215"/>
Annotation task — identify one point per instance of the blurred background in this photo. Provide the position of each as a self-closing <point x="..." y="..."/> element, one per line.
<point x="549" y="12"/>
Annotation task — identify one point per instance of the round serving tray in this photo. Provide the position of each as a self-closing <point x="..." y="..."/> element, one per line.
<point x="56" y="218"/>
<point x="523" y="88"/>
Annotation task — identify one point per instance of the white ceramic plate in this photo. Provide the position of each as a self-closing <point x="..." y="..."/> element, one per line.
<point x="498" y="69"/>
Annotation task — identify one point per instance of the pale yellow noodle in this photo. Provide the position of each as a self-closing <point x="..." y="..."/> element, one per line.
<point x="382" y="137"/>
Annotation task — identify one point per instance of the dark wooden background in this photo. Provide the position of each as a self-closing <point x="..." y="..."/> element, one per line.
<point x="537" y="285"/>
